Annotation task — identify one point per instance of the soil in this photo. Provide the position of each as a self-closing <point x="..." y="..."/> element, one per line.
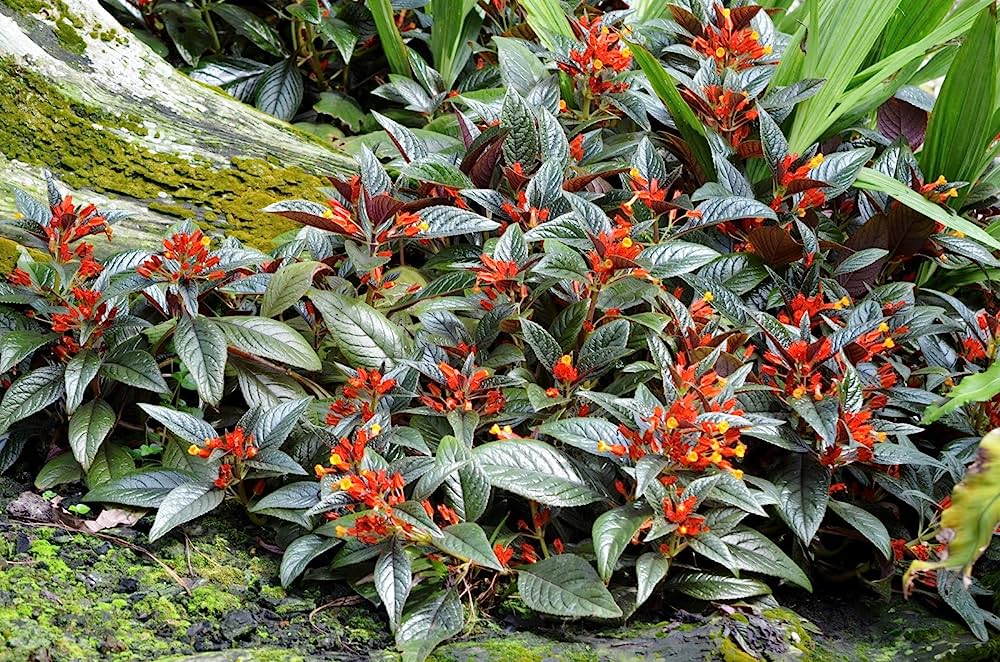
<point x="209" y="592"/>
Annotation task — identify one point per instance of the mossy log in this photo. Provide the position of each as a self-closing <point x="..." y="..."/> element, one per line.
<point x="119" y="126"/>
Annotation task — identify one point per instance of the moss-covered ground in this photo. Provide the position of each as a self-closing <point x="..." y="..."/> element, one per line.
<point x="210" y="592"/>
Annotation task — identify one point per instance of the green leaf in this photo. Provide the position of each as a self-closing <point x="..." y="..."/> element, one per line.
<point x="288" y="284"/>
<point x="364" y="336"/>
<point x="428" y="624"/>
<point x="80" y="371"/>
<point x="388" y="34"/>
<point x="980" y="387"/>
<point x="709" y="586"/>
<point x="341" y="34"/>
<point x="19" y="345"/>
<point x="300" y="553"/>
<point x="342" y="108"/>
<point x="565" y="585"/>
<point x="201" y="347"/>
<point x="279" y="90"/>
<point x="969" y="522"/>
<point x="187" y="427"/>
<point x="535" y="471"/>
<point x="675" y="258"/>
<point x="690" y="127"/>
<point x="612" y="532"/>
<point x="754" y="552"/>
<point x="30" y="394"/>
<point x="111" y="461"/>
<point x="454" y="20"/>
<point x="860" y="260"/>
<point x="866" y="524"/>
<point x="960" y="129"/>
<point x="250" y="26"/>
<point x="545" y="347"/>
<point x="548" y="20"/>
<point x="304" y="494"/>
<point x="146" y="489"/>
<point x="720" y="210"/>
<point x="523" y="142"/>
<point x="135" y="368"/>
<point x="873" y="180"/>
<point x="88" y="428"/>
<point x="393" y="579"/>
<point x="444" y="221"/>
<point x="650" y="569"/>
<point x="585" y="433"/>
<point x="269" y="339"/>
<point x="467" y="541"/>
<point x="274" y="424"/>
<point x="60" y="469"/>
<point x="803" y="493"/>
<point x="437" y="173"/>
<point x="184" y="503"/>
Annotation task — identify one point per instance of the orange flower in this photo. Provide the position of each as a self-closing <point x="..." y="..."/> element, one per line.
<point x="730" y="47"/>
<point x="564" y="371"/>
<point x="237" y="443"/>
<point x="184" y="258"/>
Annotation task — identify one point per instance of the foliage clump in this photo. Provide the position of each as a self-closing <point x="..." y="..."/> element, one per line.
<point x="626" y="329"/>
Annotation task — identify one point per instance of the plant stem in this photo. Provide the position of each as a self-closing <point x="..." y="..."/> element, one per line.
<point x="206" y="16"/>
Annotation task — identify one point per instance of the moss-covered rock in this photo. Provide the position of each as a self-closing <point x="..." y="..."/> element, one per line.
<point x="89" y="148"/>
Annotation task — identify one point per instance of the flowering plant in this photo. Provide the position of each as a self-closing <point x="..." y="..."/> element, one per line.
<point x="623" y="333"/>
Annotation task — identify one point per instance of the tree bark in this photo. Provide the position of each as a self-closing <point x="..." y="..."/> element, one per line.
<point x="83" y="97"/>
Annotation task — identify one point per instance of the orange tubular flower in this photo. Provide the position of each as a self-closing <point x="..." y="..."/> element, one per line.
<point x="564" y="371"/>
<point x="600" y="58"/>
<point x="731" y="47"/>
<point x="463" y="392"/>
<point x="500" y="276"/>
<point x="730" y="113"/>
<point x="82" y="310"/>
<point x="237" y="443"/>
<point x="184" y="258"/>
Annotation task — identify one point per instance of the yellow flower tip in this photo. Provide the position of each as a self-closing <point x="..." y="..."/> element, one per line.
<point x="723" y="427"/>
<point x="602" y="446"/>
<point x="881" y="436"/>
<point x="883" y="328"/>
<point x="726" y="12"/>
<point x="737" y="474"/>
<point x="634" y="173"/>
<point x="682" y="530"/>
<point x="193" y="449"/>
<point x="722" y="382"/>
<point x="319" y="470"/>
<point x="627" y="242"/>
<point x="566" y="359"/>
<point x="336" y="459"/>
<point x="205" y="241"/>
<point x="327" y="213"/>
<point x="708" y="297"/>
<point x="672" y="423"/>
<point x="768" y="50"/>
<point x="345" y="484"/>
<point x="692" y="456"/>
<point x="715" y="458"/>
<point x="341" y="531"/>
<point x="958" y="234"/>
<point x="755" y="35"/>
<point x="816" y="161"/>
<point x="740" y="450"/>
<point x="18" y="215"/>
<point x="940" y="181"/>
<point x="720" y="52"/>
<point x="424" y="226"/>
<point x="626" y="51"/>
<point x="562" y="106"/>
<point x="508" y="430"/>
<point x="495" y="429"/>
<point x="597" y="64"/>
<point x="889" y="343"/>
<point x="376" y="428"/>
<point x="952" y="193"/>
<point x="798" y="392"/>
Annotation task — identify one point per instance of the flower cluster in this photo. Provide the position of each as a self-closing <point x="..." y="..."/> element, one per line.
<point x="731" y="46"/>
<point x="463" y="391"/>
<point x="184" y="257"/>
<point x="233" y="447"/>
<point x="602" y="57"/>
<point x="360" y="396"/>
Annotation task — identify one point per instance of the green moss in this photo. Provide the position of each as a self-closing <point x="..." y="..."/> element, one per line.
<point x="515" y="648"/>
<point x="209" y="601"/>
<point x="41" y="127"/>
<point x="8" y="255"/>
<point x="67" y="36"/>
<point x="179" y="211"/>
<point x="26" y="6"/>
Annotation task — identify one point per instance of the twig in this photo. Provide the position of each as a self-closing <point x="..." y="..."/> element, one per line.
<point x="345" y="601"/>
